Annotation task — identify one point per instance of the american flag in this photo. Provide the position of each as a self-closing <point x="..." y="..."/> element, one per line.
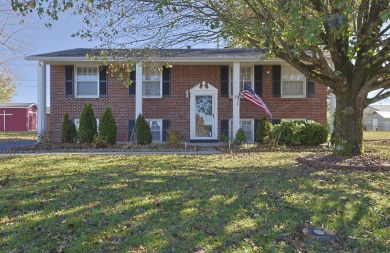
<point x="254" y="99"/>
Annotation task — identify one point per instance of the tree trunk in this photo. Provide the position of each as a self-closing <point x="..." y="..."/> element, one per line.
<point x="348" y="124"/>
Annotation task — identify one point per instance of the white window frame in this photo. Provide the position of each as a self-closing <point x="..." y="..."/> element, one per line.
<point x="76" y="122"/>
<point x="143" y="82"/>
<point x="252" y="81"/>
<point x="289" y="73"/>
<point x="76" y="82"/>
<point x="232" y="135"/>
<point x="160" y="122"/>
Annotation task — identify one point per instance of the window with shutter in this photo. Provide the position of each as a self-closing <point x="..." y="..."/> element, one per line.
<point x="87" y="82"/>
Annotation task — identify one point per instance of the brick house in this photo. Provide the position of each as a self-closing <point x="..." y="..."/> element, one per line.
<point x="198" y="94"/>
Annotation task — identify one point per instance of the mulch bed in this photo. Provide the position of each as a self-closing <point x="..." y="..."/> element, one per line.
<point x="93" y="148"/>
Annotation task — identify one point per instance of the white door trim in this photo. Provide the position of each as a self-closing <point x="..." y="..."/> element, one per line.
<point x="205" y="89"/>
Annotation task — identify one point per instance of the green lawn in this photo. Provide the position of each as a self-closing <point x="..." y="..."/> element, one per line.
<point x="369" y="135"/>
<point x="10" y="136"/>
<point x="248" y="202"/>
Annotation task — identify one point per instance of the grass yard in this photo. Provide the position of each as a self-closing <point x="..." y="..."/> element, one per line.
<point x="377" y="135"/>
<point x="249" y="202"/>
<point x="11" y="136"/>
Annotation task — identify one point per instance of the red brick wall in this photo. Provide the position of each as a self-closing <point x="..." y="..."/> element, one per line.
<point x="284" y="108"/>
<point x="118" y="99"/>
<point x="177" y="106"/>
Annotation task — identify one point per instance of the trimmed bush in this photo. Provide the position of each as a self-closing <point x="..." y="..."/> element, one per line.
<point x="68" y="130"/>
<point x="314" y="133"/>
<point x="288" y="132"/>
<point x="263" y="130"/>
<point x="240" y="136"/>
<point x="299" y="132"/>
<point x="174" y="137"/>
<point x="87" y="127"/>
<point x="107" y="127"/>
<point x="142" y="131"/>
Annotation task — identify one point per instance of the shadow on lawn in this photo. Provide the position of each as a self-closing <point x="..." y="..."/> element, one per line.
<point x="166" y="205"/>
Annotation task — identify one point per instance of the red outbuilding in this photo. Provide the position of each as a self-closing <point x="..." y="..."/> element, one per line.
<point x="18" y="117"/>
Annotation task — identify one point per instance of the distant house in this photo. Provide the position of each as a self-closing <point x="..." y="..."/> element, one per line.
<point x="18" y="117"/>
<point x="377" y="118"/>
<point x="196" y="93"/>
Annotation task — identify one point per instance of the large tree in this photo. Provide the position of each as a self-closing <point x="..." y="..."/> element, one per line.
<point x="346" y="41"/>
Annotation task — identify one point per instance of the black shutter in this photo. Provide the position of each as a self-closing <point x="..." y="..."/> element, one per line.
<point x="130" y="134"/>
<point x="103" y="81"/>
<point x="166" y="124"/>
<point x="225" y="81"/>
<point x="257" y="121"/>
<point x="132" y="86"/>
<point x="166" y="75"/>
<point x="259" y="80"/>
<point x="224" y="129"/>
<point x="310" y="87"/>
<point x="69" y="80"/>
<point x="276" y="80"/>
<point x="276" y="121"/>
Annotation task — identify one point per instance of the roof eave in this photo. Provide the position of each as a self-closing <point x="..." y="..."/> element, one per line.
<point x="168" y="59"/>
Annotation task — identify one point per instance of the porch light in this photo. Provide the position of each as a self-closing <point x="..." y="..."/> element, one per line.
<point x="268" y="72"/>
<point x="187" y="93"/>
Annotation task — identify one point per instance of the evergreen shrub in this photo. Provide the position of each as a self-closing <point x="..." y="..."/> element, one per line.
<point x="107" y="127"/>
<point x="87" y="127"/>
<point x="263" y="130"/>
<point x="240" y="136"/>
<point x="299" y="132"/>
<point x="314" y="134"/>
<point x="143" y="135"/>
<point x="68" y="130"/>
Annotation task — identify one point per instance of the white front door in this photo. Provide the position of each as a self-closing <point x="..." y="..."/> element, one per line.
<point x="204" y="109"/>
